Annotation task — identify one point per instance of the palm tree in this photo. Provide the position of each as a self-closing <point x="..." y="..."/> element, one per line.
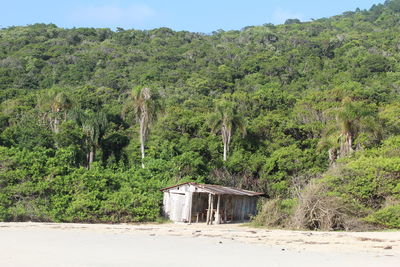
<point x="143" y="105"/>
<point x="352" y="119"/>
<point x="54" y="106"/>
<point x="330" y="142"/>
<point x="61" y="104"/>
<point x="225" y="120"/>
<point x="94" y="126"/>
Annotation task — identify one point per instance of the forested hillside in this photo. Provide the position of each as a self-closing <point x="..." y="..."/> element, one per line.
<point x="308" y="113"/>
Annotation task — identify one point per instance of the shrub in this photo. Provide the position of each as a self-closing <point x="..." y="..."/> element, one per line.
<point x="388" y="216"/>
<point x="43" y="185"/>
<point x="318" y="209"/>
<point x="274" y="213"/>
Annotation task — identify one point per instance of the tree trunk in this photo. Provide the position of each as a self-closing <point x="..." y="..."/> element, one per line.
<point x="346" y="146"/>
<point x="225" y="151"/>
<point x="56" y="124"/>
<point x="142" y="140"/>
<point x="87" y="160"/>
<point x="226" y="138"/>
<point x="91" y="156"/>
<point x="332" y="156"/>
<point x="349" y="139"/>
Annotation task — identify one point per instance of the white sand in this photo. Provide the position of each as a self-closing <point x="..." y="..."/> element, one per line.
<point x="39" y="244"/>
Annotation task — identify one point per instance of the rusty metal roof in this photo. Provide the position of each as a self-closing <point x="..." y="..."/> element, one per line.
<point x="219" y="190"/>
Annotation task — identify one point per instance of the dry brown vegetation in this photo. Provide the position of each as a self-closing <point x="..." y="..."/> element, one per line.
<point x="272" y="214"/>
<point x="315" y="209"/>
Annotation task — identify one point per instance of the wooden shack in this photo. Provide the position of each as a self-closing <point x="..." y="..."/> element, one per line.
<point x="192" y="202"/>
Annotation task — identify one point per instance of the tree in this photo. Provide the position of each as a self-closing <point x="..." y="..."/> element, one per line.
<point x="292" y="21"/>
<point x="353" y="118"/>
<point x="143" y="104"/>
<point x="54" y="106"/>
<point x="94" y="126"/>
<point x="225" y="120"/>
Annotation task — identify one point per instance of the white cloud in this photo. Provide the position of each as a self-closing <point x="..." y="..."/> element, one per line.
<point x="112" y="15"/>
<point x="280" y="15"/>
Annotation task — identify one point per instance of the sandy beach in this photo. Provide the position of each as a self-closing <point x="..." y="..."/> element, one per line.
<point x="53" y="244"/>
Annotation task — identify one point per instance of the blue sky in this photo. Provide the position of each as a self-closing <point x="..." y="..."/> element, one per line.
<point x="198" y="16"/>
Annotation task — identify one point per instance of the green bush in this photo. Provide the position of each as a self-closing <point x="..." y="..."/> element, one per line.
<point x="44" y="186"/>
<point x="387" y="217"/>
<point x="274" y="213"/>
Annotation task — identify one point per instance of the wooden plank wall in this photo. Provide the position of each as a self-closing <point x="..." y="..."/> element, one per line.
<point x="238" y="208"/>
<point x="177" y="204"/>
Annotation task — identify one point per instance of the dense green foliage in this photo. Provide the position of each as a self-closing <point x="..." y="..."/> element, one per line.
<point x="317" y="100"/>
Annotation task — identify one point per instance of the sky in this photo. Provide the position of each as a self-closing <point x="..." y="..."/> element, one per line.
<point x="192" y="15"/>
